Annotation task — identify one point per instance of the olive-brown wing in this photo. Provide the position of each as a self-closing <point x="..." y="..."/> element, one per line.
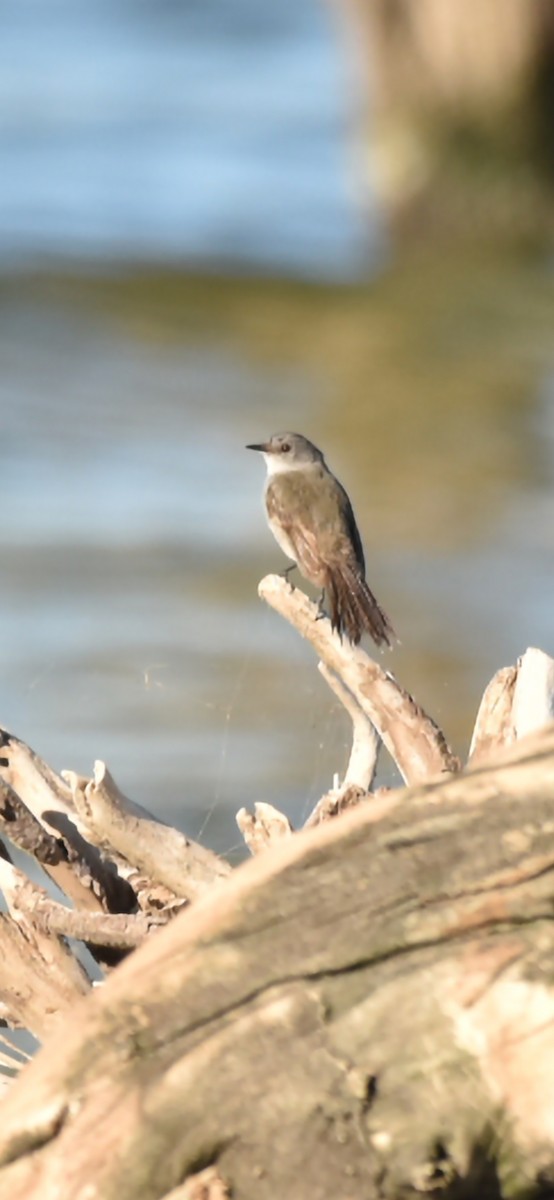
<point x="289" y="509"/>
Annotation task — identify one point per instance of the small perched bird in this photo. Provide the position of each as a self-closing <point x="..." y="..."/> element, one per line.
<point x="311" y="518"/>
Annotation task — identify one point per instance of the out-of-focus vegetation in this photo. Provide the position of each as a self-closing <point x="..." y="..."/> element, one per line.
<point x="459" y="113"/>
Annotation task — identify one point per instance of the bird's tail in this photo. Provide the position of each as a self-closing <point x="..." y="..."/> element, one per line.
<point x="354" y="608"/>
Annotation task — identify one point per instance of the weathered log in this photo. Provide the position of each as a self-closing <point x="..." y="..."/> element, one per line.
<point x="366" y="1010"/>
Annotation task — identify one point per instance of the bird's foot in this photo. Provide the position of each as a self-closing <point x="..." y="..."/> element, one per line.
<point x="321" y="614"/>
<point x="285" y="574"/>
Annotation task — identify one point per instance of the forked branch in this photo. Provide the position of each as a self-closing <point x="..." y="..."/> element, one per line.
<point x="413" y="739"/>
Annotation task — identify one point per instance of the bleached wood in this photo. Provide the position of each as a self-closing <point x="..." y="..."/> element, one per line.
<point x="79" y="870"/>
<point x="41" y="979"/>
<point x="267" y="825"/>
<point x="362" y="763"/>
<point x="518" y="700"/>
<point x="430" y="904"/>
<point x="335" y="801"/>
<point x="350" y="1000"/>
<point x="264" y="827"/>
<point x="165" y="854"/>
<point x="206" y="1185"/>
<point x="494" y="726"/>
<point x="22" y="828"/>
<point x="414" y="740"/>
<point x="533" y="701"/>
<point x="115" y="930"/>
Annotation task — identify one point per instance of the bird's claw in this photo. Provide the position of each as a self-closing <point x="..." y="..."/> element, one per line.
<point x="285" y="574"/>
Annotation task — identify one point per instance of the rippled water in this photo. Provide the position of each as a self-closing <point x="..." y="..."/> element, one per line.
<point x="132" y="538"/>
<point x="210" y="131"/>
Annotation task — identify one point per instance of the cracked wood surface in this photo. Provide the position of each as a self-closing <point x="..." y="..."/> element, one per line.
<point x="372" y="1000"/>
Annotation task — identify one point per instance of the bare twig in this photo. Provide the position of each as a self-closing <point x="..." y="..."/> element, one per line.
<point x="362" y="763"/>
<point x="264" y="827"/>
<point x="415" y="742"/>
<point x="122" y="931"/>
<point x="163" y="853"/>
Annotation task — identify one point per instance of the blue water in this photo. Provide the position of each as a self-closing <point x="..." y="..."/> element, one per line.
<point x="132" y="536"/>
<point x="130" y="556"/>
<point x="210" y="132"/>
<point x="133" y="539"/>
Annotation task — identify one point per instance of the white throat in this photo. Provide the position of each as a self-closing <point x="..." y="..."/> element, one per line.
<point x="280" y="464"/>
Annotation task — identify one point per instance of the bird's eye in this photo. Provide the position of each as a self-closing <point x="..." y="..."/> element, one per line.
<point x="285" y="448"/>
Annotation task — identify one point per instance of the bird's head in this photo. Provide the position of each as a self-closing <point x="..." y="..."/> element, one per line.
<point x="288" y="452"/>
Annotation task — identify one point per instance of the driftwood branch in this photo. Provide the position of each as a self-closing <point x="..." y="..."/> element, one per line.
<point x="494" y="727"/>
<point x="413" y="739"/>
<point x="533" y="703"/>
<point x="364" y="754"/>
<point x="101" y="835"/>
<point x="165" y="854"/>
<point x="78" y="870"/>
<point x="23" y="829"/>
<point x="41" y="979"/>
<point x="518" y="700"/>
<point x="351" y="1016"/>
<point x="27" y="900"/>
<point x="264" y="827"/>
<point x="362" y="1010"/>
<point x="267" y="825"/>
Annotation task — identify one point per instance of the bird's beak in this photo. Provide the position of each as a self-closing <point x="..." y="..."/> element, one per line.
<point x="258" y="446"/>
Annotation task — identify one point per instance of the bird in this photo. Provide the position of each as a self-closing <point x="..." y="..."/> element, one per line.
<point x="311" y="518"/>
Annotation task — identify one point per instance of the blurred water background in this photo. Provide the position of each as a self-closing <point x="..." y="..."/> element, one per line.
<point x="185" y="268"/>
